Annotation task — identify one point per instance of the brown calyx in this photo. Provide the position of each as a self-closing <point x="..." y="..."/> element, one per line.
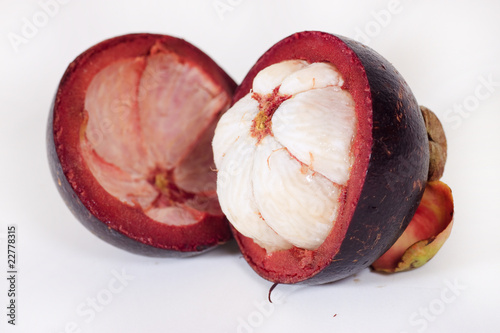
<point x="437" y="144"/>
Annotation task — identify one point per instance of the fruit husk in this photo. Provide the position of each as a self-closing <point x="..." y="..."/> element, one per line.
<point x="106" y="217"/>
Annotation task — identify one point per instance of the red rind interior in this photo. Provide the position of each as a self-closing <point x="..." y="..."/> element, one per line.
<point x="295" y="265"/>
<point x="145" y="116"/>
<point x="71" y="120"/>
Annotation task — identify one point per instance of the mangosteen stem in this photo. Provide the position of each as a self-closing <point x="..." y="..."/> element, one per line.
<point x="270" y="291"/>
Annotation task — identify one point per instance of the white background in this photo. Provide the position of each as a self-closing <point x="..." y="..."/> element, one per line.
<point x="446" y="50"/>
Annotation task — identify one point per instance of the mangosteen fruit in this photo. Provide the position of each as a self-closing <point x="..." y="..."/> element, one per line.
<point x="129" y="144"/>
<point x="322" y="159"/>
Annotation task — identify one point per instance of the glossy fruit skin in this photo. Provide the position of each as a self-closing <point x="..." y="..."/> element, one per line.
<point x="387" y="185"/>
<point x="113" y="233"/>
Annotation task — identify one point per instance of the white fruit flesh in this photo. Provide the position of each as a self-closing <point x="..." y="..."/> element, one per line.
<point x="283" y="155"/>
<point x="148" y="133"/>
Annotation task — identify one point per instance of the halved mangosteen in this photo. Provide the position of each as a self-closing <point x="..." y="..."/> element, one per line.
<point x="129" y="144"/>
<point x="322" y="159"/>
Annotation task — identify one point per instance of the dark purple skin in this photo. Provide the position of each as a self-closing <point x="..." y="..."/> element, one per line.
<point x="117" y="232"/>
<point x="399" y="153"/>
<point x="395" y="176"/>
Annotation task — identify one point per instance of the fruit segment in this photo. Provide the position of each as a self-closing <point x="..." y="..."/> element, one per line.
<point x="236" y="194"/>
<point x="298" y="203"/>
<point x="315" y="76"/>
<point x="283" y="155"/>
<point x="316" y="137"/>
<point x="273" y="76"/>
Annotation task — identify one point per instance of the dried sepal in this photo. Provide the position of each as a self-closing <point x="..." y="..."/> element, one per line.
<point x="437" y="144"/>
<point x="426" y="233"/>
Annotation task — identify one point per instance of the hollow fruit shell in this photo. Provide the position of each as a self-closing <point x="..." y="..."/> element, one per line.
<point x="106" y="217"/>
